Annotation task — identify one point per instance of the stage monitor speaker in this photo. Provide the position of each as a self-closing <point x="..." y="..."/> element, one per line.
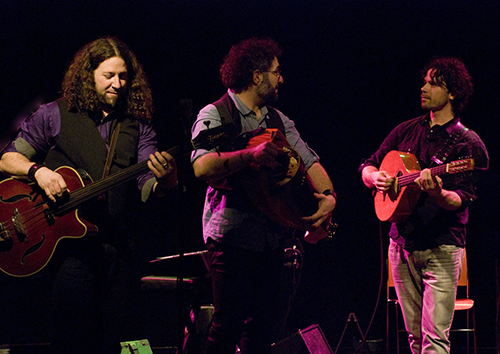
<point x="310" y="340"/>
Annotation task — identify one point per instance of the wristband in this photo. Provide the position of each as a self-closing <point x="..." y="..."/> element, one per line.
<point x="31" y="172"/>
<point x="329" y="192"/>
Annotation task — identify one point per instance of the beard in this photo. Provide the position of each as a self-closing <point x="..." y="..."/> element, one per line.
<point x="110" y="103"/>
<point x="267" y="92"/>
<point x="107" y="100"/>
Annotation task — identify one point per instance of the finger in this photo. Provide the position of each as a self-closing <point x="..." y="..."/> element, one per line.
<point x="153" y="168"/>
<point x="59" y="190"/>
<point x="49" y="195"/>
<point x="318" y="222"/>
<point x="315" y="218"/>
<point x="319" y="196"/>
<point x="165" y="159"/>
<point x="154" y="162"/>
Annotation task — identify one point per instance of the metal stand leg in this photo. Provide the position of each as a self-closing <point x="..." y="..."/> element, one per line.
<point x="352" y="317"/>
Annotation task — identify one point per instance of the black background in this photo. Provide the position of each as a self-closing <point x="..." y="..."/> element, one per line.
<point x="351" y="73"/>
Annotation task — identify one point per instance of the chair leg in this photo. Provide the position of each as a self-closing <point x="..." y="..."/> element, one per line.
<point x="468" y="333"/>
<point x="474" y="332"/>
<point x="387" y="328"/>
<point x="396" y="306"/>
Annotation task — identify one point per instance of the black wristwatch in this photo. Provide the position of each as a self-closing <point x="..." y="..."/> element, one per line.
<point x="330" y="192"/>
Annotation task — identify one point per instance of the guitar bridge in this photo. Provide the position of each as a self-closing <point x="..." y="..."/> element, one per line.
<point x="18" y="226"/>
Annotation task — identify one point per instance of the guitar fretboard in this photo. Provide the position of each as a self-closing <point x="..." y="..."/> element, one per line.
<point x="93" y="190"/>
<point x="452" y="167"/>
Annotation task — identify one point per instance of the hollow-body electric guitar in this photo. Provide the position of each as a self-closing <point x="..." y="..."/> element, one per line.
<point x="31" y="225"/>
<point x="398" y="202"/>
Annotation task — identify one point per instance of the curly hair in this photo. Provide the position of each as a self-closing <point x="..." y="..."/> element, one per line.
<point x="244" y="58"/>
<point x="78" y="87"/>
<point x="452" y="74"/>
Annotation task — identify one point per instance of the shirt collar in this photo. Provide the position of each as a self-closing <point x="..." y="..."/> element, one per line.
<point x="245" y="111"/>
<point x="449" y="126"/>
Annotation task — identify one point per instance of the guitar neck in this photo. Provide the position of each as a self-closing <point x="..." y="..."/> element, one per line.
<point x="409" y="178"/>
<point x="93" y="190"/>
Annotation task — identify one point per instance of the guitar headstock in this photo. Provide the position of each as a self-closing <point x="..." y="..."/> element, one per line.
<point x="460" y="166"/>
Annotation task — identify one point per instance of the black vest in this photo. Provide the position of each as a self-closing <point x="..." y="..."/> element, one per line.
<point x="80" y="144"/>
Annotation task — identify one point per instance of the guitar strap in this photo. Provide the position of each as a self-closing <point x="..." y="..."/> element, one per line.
<point x="230" y="120"/>
<point x="442" y="154"/>
<point x="230" y="116"/>
<point x="112" y="146"/>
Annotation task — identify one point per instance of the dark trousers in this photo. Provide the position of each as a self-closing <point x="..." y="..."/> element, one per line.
<point x="91" y="302"/>
<point x="245" y="289"/>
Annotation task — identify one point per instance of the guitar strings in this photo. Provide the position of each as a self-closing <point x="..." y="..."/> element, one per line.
<point x="92" y="190"/>
<point x="27" y="224"/>
<point x="410" y="178"/>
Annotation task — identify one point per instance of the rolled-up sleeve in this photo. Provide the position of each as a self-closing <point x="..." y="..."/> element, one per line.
<point x="208" y="118"/>
<point x="38" y="133"/>
<point x="307" y="154"/>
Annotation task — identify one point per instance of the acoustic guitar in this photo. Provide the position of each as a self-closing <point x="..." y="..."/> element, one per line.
<point x="398" y="202"/>
<point x="31" y="225"/>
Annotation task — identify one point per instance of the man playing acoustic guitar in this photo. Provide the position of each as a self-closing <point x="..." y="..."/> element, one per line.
<point x="427" y="242"/>
<point x="106" y="105"/>
<point x="244" y="241"/>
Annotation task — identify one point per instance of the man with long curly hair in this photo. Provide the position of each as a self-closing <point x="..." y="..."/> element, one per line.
<point x="106" y="104"/>
<point x="426" y="248"/>
<point x="245" y="242"/>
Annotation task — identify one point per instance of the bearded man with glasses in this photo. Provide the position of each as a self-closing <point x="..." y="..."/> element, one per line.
<point x="245" y="243"/>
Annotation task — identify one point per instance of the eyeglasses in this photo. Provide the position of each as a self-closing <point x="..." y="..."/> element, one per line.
<point x="277" y="72"/>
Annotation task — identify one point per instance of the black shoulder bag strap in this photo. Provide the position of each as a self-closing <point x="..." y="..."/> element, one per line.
<point x="229" y="115"/>
<point x="442" y="154"/>
<point x="275" y="120"/>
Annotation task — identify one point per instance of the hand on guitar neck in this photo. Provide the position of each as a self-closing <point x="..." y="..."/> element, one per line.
<point x="433" y="185"/>
<point x="384" y="183"/>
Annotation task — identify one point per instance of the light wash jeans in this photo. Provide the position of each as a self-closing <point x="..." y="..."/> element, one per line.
<point x="426" y="286"/>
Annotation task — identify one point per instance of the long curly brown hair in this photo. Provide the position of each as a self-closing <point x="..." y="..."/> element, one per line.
<point x="78" y="87"/>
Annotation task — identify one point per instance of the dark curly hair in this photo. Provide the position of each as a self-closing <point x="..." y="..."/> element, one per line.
<point x="452" y="74"/>
<point x="78" y="87"/>
<point x="244" y="58"/>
